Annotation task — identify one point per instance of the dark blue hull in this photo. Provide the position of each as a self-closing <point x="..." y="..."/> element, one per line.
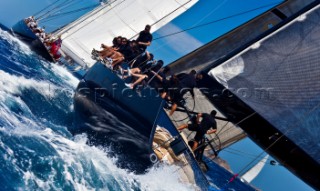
<point x="100" y="121"/>
<point x="21" y="29"/>
<point x="112" y="119"/>
<point x="37" y="46"/>
<point x="114" y="116"/>
<point x="24" y="33"/>
<point x="125" y="121"/>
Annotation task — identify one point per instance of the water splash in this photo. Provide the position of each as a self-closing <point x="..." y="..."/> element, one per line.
<point x="37" y="152"/>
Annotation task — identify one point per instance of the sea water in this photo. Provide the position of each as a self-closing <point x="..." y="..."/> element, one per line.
<point x="37" y="152"/>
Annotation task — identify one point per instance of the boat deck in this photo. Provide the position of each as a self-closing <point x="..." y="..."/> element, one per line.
<point x="227" y="133"/>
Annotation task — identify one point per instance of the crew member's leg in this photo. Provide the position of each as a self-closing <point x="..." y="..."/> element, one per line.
<point x="199" y="135"/>
<point x="195" y="145"/>
<point x="183" y="126"/>
<point x="173" y="108"/>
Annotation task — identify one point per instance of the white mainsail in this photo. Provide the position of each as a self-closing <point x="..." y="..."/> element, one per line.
<point x="254" y="171"/>
<point x="117" y="18"/>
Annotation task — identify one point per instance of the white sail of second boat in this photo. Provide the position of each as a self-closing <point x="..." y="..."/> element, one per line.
<point x="254" y="171"/>
<point x="117" y="18"/>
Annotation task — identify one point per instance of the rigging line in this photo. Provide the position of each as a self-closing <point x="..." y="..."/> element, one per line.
<point x="217" y="145"/>
<point x="80" y="20"/>
<point x="59" y="10"/>
<point x="225" y="125"/>
<point x="164" y="17"/>
<point x="238" y="153"/>
<point x="294" y="125"/>
<point x="54" y="8"/>
<point x="208" y="160"/>
<point x="189" y="134"/>
<point x="213" y="139"/>
<point x="218" y="20"/>
<point x="187" y="111"/>
<point x="46" y="8"/>
<point x="84" y="19"/>
<point x="42" y="15"/>
<point x="116" y="6"/>
<point x="66" y="13"/>
<point x="163" y="44"/>
<point x="283" y="134"/>
<point x="70" y="4"/>
<point x="280" y="64"/>
<point x="218" y="133"/>
<point x="59" y="13"/>
<point x="226" y="130"/>
<point x="213" y="10"/>
<point x="216" y="137"/>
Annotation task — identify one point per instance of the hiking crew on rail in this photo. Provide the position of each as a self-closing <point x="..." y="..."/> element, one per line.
<point x="131" y="59"/>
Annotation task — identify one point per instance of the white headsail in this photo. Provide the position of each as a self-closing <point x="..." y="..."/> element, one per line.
<point x="254" y="171"/>
<point x="117" y="18"/>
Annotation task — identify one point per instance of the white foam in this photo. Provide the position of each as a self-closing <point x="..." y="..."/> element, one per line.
<point x="13" y="120"/>
<point x="12" y="84"/>
<point x="11" y="91"/>
<point x="64" y="74"/>
<point x="16" y="43"/>
<point x="81" y="160"/>
<point x="77" y="158"/>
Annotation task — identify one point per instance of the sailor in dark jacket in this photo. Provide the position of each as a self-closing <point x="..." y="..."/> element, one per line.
<point x="207" y="125"/>
<point x="144" y="39"/>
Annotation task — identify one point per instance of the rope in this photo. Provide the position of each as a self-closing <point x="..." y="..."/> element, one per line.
<point x="46" y="7"/>
<point x="218" y="20"/>
<point x="272" y="144"/>
<point x="67" y="13"/>
<point x="234" y="124"/>
<point x="54" y="8"/>
<point x="246" y="155"/>
<point x="165" y="142"/>
<point x="165" y="16"/>
<point x="98" y="9"/>
<point x="188" y="114"/>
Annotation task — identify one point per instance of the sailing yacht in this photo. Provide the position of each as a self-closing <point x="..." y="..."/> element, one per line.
<point x="31" y="30"/>
<point x="129" y="121"/>
<point x="132" y="122"/>
<point x="118" y="18"/>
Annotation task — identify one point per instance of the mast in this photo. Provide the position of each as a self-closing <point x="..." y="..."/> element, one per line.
<point x="118" y="18"/>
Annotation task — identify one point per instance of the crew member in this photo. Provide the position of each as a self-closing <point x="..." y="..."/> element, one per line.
<point x="207" y="125"/>
<point x="144" y="39"/>
<point x="55" y="46"/>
